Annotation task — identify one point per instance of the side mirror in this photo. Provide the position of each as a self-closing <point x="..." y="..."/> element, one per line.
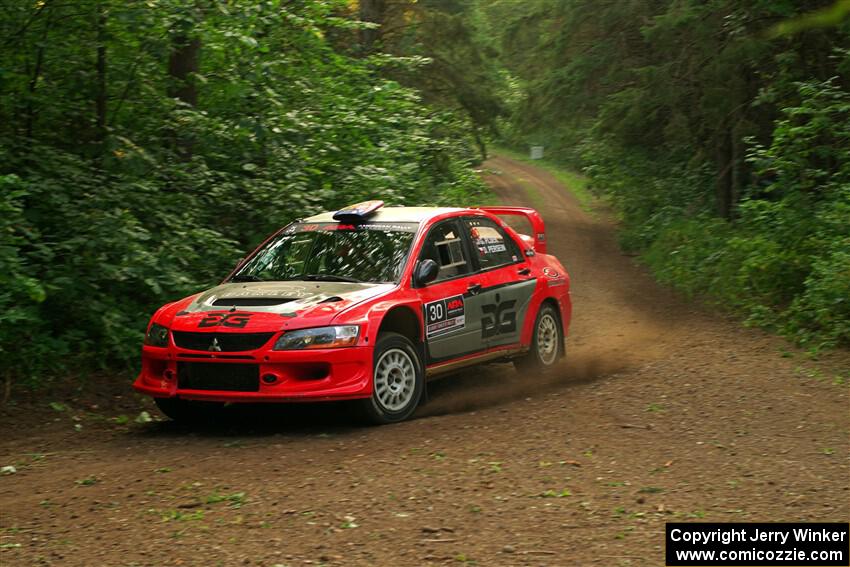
<point x="426" y="272"/>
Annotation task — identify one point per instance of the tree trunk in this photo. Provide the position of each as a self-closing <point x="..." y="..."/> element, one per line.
<point x="373" y="11"/>
<point x="30" y="113"/>
<point x="724" y="185"/>
<point x="183" y="63"/>
<point x="101" y="94"/>
<point x="479" y="141"/>
<point x="737" y="175"/>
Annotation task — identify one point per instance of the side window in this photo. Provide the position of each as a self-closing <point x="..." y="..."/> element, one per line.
<point x="445" y="246"/>
<point x="493" y="246"/>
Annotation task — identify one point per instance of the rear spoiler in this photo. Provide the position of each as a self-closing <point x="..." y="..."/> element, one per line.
<point x="537" y="224"/>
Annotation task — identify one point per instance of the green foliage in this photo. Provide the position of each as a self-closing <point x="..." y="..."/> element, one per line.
<point x="106" y="216"/>
<point x="455" y="66"/>
<point x="785" y="260"/>
<point x="831" y="15"/>
<point x="718" y="129"/>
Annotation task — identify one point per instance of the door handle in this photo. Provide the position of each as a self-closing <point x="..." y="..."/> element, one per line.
<point x="474" y="288"/>
<point x="524" y="271"/>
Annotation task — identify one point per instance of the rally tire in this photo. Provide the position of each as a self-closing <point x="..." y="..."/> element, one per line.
<point x="547" y="342"/>
<point x="398" y="381"/>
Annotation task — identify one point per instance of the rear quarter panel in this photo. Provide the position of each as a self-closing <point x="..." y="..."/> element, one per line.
<point x="553" y="282"/>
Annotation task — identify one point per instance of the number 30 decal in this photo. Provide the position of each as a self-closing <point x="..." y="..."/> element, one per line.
<point x="435" y="312"/>
<point x="444" y="316"/>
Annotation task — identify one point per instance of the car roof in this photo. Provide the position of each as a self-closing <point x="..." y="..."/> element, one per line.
<point x="393" y="214"/>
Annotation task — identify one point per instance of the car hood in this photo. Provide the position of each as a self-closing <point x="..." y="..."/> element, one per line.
<point x="271" y="305"/>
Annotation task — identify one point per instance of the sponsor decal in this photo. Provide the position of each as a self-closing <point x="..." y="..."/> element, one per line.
<point x="388" y="227"/>
<point x="287" y="291"/>
<point x="498" y="318"/>
<point x="235" y="320"/>
<point x="489" y="245"/>
<point x="444" y="316"/>
<point x="549" y="272"/>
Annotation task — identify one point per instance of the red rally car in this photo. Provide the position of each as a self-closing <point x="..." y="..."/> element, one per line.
<point x="364" y="304"/>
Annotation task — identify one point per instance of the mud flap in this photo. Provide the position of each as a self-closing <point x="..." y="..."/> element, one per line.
<point x="421" y="349"/>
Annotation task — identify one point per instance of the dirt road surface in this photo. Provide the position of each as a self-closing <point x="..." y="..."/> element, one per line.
<point x="663" y="410"/>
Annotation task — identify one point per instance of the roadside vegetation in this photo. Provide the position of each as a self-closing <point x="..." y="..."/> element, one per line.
<point x="146" y="146"/>
<point x="720" y="132"/>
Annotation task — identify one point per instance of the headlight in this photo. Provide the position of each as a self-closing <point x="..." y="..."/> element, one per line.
<point x="157" y="336"/>
<point x="320" y="337"/>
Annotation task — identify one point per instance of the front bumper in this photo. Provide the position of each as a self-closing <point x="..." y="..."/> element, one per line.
<point x="294" y="375"/>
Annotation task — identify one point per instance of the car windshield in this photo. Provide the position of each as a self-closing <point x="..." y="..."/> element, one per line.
<point x="366" y="252"/>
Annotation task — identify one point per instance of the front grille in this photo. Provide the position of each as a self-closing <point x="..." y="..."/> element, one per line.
<point x="227" y="342"/>
<point x="218" y="376"/>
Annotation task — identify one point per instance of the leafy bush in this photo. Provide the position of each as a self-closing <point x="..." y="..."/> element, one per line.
<point x="95" y="234"/>
<point x="784" y="260"/>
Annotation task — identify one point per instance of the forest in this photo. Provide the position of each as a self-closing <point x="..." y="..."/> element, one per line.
<point x="146" y="145"/>
<point x="719" y="130"/>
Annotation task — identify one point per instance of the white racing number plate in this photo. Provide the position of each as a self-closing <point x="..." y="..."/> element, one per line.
<point x="444" y="316"/>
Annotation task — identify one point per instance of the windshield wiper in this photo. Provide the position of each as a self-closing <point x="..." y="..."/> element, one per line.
<point x="328" y="278"/>
<point x="246" y="278"/>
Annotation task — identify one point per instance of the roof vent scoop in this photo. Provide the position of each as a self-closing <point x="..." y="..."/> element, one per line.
<point x="359" y="212"/>
<point x="251" y="301"/>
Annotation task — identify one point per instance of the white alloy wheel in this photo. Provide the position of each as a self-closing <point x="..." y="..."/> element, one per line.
<point x="547" y="339"/>
<point x="547" y="342"/>
<point x="398" y="380"/>
<point x="395" y="379"/>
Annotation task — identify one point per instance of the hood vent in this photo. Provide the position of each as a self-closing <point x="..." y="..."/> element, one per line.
<point x="332" y="299"/>
<point x="251" y="301"/>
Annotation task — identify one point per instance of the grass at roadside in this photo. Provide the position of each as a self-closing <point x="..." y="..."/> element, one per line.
<point x="575" y="182"/>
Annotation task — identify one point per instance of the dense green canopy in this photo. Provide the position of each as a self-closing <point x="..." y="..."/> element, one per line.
<point x="719" y="129"/>
<point x="145" y="145"/>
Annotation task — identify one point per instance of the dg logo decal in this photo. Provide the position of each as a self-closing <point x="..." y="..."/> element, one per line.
<point x="498" y="318"/>
<point x="236" y="320"/>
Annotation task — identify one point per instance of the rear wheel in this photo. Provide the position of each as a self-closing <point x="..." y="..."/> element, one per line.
<point x="546" y="342"/>
<point x="187" y="411"/>
<point x="397" y="380"/>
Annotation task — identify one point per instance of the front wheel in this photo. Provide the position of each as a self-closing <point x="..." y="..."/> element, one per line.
<point x="546" y="342"/>
<point x="397" y="380"/>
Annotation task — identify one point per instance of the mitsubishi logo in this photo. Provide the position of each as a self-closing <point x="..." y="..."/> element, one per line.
<point x="214" y="346"/>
